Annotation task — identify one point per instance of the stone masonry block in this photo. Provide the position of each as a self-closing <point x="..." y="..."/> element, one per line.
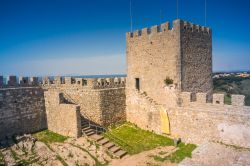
<point x="46" y="80"/>
<point x="201" y="97"/>
<point x="185" y="98"/>
<point x="238" y="100"/>
<point x="69" y="80"/>
<point x="218" y="99"/>
<point x="58" y="80"/>
<point x="12" y="81"/>
<point x="34" y="81"/>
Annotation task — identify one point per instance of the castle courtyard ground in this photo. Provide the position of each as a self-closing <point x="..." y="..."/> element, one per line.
<point x="46" y="148"/>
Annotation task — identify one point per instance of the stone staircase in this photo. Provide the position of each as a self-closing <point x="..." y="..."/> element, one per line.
<point x="152" y="102"/>
<point x="93" y="132"/>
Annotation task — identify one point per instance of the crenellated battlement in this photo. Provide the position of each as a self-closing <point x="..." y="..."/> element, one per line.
<point x="188" y="26"/>
<point x="166" y="27"/>
<point x="187" y="98"/>
<point x="89" y="83"/>
<point x="150" y="31"/>
<point x="14" y="81"/>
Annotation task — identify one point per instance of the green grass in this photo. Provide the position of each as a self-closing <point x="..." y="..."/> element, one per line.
<point x="135" y="140"/>
<point x="47" y="136"/>
<point x="185" y="150"/>
<point x="227" y="99"/>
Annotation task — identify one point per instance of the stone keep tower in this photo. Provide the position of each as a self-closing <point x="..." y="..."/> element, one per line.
<point x="182" y="53"/>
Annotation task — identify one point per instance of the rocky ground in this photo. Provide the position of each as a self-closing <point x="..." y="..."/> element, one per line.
<point x="26" y="150"/>
<point x="217" y="154"/>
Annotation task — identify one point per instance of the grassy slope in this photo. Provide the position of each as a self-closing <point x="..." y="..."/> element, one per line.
<point x="233" y="85"/>
<point x="135" y="140"/>
<point x="47" y="136"/>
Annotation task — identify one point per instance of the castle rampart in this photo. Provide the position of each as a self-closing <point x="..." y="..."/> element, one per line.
<point x="22" y="110"/>
<point x="101" y="100"/>
<point x="198" y="121"/>
<point x="84" y="83"/>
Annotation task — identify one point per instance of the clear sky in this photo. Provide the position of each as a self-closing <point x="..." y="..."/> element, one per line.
<point x="79" y="37"/>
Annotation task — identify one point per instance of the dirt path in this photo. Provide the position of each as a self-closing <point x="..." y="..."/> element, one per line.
<point x="145" y="158"/>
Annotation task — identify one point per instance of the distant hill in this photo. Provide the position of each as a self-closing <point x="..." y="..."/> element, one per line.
<point x="233" y="85"/>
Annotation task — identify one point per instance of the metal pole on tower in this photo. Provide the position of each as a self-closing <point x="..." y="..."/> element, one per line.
<point x="205" y="12"/>
<point x="131" y="17"/>
<point x="177" y="9"/>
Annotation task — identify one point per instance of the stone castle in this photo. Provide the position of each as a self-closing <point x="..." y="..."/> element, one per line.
<point x="185" y="107"/>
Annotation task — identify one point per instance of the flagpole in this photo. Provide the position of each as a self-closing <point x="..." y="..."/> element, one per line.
<point x="177" y="9"/>
<point x="131" y="19"/>
<point x="205" y="12"/>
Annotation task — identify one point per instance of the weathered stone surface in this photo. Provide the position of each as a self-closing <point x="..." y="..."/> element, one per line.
<point x="12" y="81"/>
<point x="198" y="123"/>
<point x="101" y="100"/>
<point x="218" y="99"/>
<point x="22" y="110"/>
<point x="62" y="118"/>
<point x="212" y="154"/>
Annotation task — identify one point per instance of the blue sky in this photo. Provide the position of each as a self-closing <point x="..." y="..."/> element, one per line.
<point x="79" y="37"/>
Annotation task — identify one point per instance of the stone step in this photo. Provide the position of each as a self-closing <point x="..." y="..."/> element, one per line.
<point x="109" y="145"/>
<point x="87" y="129"/>
<point x="114" y="149"/>
<point x="96" y="137"/>
<point x="90" y="133"/>
<point x="85" y="126"/>
<point x="103" y="141"/>
<point x="120" y="153"/>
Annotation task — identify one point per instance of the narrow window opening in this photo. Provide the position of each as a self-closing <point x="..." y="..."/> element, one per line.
<point x="137" y="83"/>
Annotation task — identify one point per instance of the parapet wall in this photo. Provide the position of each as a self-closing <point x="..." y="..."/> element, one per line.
<point x="198" y="121"/>
<point x="58" y="81"/>
<point x="14" y="81"/>
<point x="185" y="26"/>
<point x="85" y="83"/>
<point x="188" y="98"/>
<point x="22" y="110"/>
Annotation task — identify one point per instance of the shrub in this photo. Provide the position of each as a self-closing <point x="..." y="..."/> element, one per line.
<point x="168" y="81"/>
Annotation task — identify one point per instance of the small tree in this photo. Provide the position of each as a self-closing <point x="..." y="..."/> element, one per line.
<point x="168" y="81"/>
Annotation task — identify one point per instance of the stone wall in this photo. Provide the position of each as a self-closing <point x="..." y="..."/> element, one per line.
<point x="62" y="118"/>
<point x="196" y="59"/>
<point x="22" y="110"/>
<point x="112" y="105"/>
<point x="183" y="53"/>
<point x="198" y="122"/>
<point x="101" y="100"/>
<point x="152" y="55"/>
<point x="143" y="111"/>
